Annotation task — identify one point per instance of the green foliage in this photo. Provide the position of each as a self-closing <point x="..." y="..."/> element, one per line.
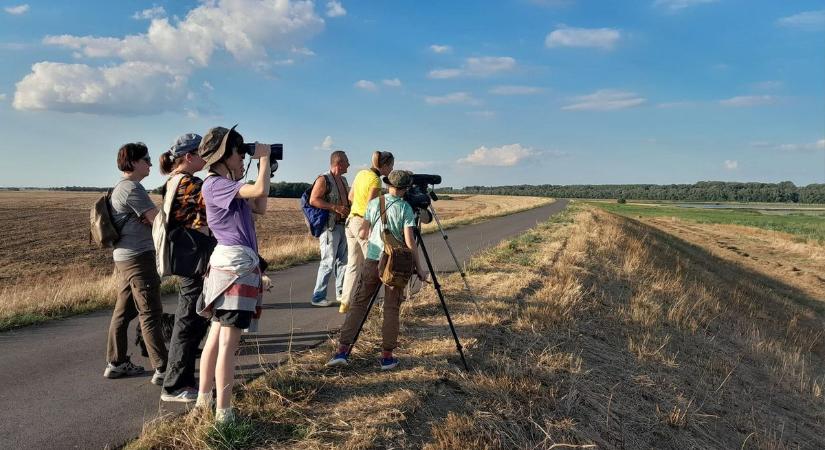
<point x="283" y="189"/>
<point x="703" y="191"/>
<point x="806" y="226"/>
<point x="621" y="201"/>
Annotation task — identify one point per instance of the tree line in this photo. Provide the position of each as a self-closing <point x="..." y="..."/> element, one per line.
<point x="703" y="191"/>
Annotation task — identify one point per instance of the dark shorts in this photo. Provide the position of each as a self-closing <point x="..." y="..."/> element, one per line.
<point x="237" y="319"/>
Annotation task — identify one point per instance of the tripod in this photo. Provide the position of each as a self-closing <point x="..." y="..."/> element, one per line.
<point x="437" y="286"/>
<point x="450" y="248"/>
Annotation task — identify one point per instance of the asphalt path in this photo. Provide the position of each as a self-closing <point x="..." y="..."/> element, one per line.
<point x="53" y="394"/>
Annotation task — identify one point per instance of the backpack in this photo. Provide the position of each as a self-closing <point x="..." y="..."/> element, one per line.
<point x="160" y="228"/>
<point x="102" y="229"/>
<point x="315" y="218"/>
<point x="397" y="263"/>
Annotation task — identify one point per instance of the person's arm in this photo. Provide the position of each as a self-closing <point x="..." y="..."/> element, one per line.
<point x="374" y="192"/>
<point x="260" y="189"/>
<point x="364" y="232"/>
<point x="351" y="196"/>
<point x="409" y="239"/>
<point x="149" y="216"/>
<point x="316" y="198"/>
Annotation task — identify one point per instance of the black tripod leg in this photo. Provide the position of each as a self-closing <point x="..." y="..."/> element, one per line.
<point x="364" y="320"/>
<point x="441" y="297"/>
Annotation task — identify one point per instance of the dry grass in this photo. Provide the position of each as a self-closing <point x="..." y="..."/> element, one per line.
<point x="594" y="331"/>
<point x="48" y="269"/>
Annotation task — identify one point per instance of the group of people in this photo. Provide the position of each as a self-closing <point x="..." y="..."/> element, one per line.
<point x="226" y="299"/>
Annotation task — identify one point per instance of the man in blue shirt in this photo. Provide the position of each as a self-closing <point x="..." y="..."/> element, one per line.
<point x="401" y="223"/>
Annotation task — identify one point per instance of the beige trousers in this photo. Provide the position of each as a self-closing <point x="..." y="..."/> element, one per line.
<point x="356" y="251"/>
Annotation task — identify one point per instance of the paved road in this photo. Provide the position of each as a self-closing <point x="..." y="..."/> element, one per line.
<point x="53" y="395"/>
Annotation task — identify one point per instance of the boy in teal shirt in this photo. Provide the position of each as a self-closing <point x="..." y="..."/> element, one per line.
<point x="401" y="223"/>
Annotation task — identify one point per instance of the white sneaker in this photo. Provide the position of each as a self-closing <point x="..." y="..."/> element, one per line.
<point x="224" y="415"/>
<point x="125" y="368"/>
<point x="183" y="395"/>
<point x="157" y="378"/>
<point x="321" y="303"/>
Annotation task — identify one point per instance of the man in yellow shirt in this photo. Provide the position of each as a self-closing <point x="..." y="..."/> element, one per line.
<point x="367" y="186"/>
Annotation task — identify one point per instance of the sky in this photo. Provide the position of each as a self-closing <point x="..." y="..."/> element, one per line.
<point x="480" y="92"/>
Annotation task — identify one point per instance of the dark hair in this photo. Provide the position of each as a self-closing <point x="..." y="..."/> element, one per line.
<point x="168" y="163"/>
<point x="129" y="154"/>
<point x="380" y="159"/>
<point x="337" y="155"/>
<point x="235" y="140"/>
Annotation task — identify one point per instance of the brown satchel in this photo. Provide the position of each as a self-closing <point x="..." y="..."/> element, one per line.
<point x="397" y="263"/>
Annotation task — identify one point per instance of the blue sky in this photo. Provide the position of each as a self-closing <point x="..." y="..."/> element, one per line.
<point x="481" y="92"/>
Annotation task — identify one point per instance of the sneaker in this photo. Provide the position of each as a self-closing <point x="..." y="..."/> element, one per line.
<point x="125" y="368"/>
<point x="343" y="308"/>
<point x="339" y="359"/>
<point x="389" y="363"/>
<point x="157" y="378"/>
<point x="322" y="303"/>
<point x="183" y="395"/>
<point x="224" y="415"/>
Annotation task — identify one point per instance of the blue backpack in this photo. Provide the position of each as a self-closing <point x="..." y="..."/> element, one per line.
<point x="315" y="218"/>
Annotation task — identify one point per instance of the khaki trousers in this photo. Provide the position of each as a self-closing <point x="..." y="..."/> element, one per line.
<point x="364" y="291"/>
<point x="138" y="296"/>
<point x="356" y="251"/>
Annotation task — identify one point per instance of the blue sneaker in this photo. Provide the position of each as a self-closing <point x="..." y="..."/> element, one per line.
<point x="389" y="363"/>
<point x="339" y="359"/>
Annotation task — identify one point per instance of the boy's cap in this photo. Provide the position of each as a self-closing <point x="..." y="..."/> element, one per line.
<point x="184" y="144"/>
<point x="401" y="179"/>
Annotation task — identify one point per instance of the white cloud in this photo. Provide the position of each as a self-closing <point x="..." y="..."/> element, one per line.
<point x="605" y="100"/>
<point x="17" y="10"/>
<point x="604" y="38"/>
<point x="366" y="85"/>
<point x="504" y="156"/>
<point x="254" y="32"/>
<point x="155" y="12"/>
<point x="441" y="48"/>
<point x="326" y="144"/>
<point x="130" y="88"/>
<point x="455" y="97"/>
<point x="745" y="101"/>
<point x="395" y="82"/>
<point x="769" y="85"/>
<point x="303" y="51"/>
<point x="809" y="20"/>
<point x="482" y="66"/>
<point x="2" y="97"/>
<point x="335" y="9"/>
<point x="515" y="90"/>
<point x="208" y="86"/>
<point x="483" y="113"/>
<point x="678" y="5"/>
<point x="808" y="147"/>
<point x="731" y="164"/>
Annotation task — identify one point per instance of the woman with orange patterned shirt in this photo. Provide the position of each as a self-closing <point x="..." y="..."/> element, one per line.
<point x="188" y="210"/>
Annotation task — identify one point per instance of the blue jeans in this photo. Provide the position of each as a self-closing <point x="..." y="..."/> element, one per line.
<point x="333" y="258"/>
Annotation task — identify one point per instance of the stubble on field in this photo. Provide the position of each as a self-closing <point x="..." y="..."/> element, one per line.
<point x="49" y="269"/>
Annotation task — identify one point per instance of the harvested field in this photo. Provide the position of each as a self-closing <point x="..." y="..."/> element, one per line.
<point x="49" y="269"/>
<point x="594" y="331"/>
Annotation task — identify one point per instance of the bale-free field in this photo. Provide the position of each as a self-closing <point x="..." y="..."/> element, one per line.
<point x="49" y="269"/>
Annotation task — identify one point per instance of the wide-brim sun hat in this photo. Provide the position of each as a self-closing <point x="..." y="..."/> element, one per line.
<point x="213" y="145"/>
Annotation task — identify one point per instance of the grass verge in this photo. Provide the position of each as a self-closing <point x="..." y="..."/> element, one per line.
<point x="593" y="330"/>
